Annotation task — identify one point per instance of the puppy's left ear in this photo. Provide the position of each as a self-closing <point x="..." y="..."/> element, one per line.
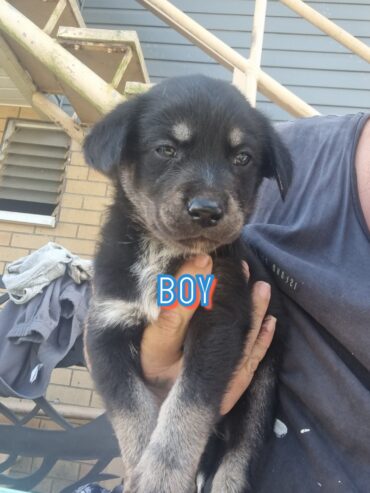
<point x="105" y="144"/>
<point x="278" y="161"/>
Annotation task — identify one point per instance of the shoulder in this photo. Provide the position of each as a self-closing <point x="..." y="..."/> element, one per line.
<point x="362" y="163"/>
<point x="322" y="148"/>
<point x="318" y="131"/>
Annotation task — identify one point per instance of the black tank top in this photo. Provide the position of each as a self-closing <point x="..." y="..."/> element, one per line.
<point x="317" y="244"/>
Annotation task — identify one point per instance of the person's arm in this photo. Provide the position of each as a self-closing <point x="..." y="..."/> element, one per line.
<point x="161" y="347"/>
<point x="363" y="171"/>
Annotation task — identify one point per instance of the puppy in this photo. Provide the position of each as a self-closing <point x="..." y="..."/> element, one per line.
<point x="186" y="159"/>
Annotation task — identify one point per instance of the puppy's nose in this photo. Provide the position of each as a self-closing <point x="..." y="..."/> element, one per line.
<point x="205" y="211"/>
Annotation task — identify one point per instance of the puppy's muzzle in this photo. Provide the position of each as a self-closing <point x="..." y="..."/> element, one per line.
<point x="204" y="211"/>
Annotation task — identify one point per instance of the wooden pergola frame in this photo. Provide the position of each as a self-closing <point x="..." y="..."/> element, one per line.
<point x="247" y="73"/>
<point x="41" y="103"/>
<point x="67" y="68"/>
<point x="103" y="96"/>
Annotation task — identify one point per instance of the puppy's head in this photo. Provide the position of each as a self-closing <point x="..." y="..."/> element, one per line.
<point x="190" y="155"/>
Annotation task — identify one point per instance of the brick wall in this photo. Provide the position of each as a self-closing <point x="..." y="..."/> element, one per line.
<point x="83" y="201"/>
<point x="84" y="198"/>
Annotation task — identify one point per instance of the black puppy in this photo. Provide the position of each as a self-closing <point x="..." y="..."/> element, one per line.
<point x="186" y="159"/>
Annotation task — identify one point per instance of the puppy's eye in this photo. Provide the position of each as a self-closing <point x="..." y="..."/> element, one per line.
<point x="242" y="159"/>
<point x="166" y="151"/>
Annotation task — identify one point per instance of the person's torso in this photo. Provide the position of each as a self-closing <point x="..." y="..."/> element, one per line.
<point x="318" y="246"/>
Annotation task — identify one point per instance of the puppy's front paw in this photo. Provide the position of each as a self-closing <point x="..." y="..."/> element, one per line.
<point x="155" y="474"/>
<point x="230" y="477"/>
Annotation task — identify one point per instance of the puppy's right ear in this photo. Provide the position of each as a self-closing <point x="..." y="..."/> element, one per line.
<point x="104" y="145"/>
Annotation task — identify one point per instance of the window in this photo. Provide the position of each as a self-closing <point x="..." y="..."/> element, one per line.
<point x="33" y="157"/>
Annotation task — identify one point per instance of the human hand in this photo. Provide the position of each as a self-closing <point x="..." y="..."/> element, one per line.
<point x="258" y="341"/>
<point x="161" y="347"/>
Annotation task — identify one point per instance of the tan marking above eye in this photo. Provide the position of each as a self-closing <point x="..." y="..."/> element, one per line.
<point x="235" y="137"/>
<point x="181" y="131"/>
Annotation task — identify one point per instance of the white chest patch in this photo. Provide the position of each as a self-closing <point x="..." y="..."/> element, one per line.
<point x="154" y="260"/>
<point x="110" y="312"/>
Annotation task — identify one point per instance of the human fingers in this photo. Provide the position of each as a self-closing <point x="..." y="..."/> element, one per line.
<point x="162" y="341"/>
<point x="246" y="271"/>
<point x="259" y="339"/>
<point x="244" y="375"/>
<point x="260" y="299"/>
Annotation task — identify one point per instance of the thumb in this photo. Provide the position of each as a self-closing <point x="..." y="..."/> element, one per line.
<point x="179" y="316"/>
<point x="164" y="337"/>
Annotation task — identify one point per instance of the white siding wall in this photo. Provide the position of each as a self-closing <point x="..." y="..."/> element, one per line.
<point x="309" y="63"/>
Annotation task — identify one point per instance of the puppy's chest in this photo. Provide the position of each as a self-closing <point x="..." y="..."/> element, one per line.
<point x="153" y="261"/>
<point x="230" y="284"/>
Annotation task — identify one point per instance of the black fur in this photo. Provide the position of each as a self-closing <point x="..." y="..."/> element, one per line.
<point x="125" y="146"/>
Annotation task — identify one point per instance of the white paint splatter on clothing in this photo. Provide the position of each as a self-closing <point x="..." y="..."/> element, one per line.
<point x="280" y="428"/>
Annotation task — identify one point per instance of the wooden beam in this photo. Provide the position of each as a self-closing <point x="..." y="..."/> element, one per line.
<point x="67" y="68"/>
<point x="77" y="13"/>
<point x="227" y="56"/>
<point x="255" y="54"/>
<point x="70" y="33"/>
<point x="134" y="88"/>
<point x="42" y="105"/>
<point x="126" y="59"/>
<point x="197" y="34"/>
<point x="239" y="79"/>
<point x="284" y="98"/>
<point x="330" y="28"/>
<point x="107" y="37"/>
<point x="55" y="16"/>
<point x="13" y="68"/>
